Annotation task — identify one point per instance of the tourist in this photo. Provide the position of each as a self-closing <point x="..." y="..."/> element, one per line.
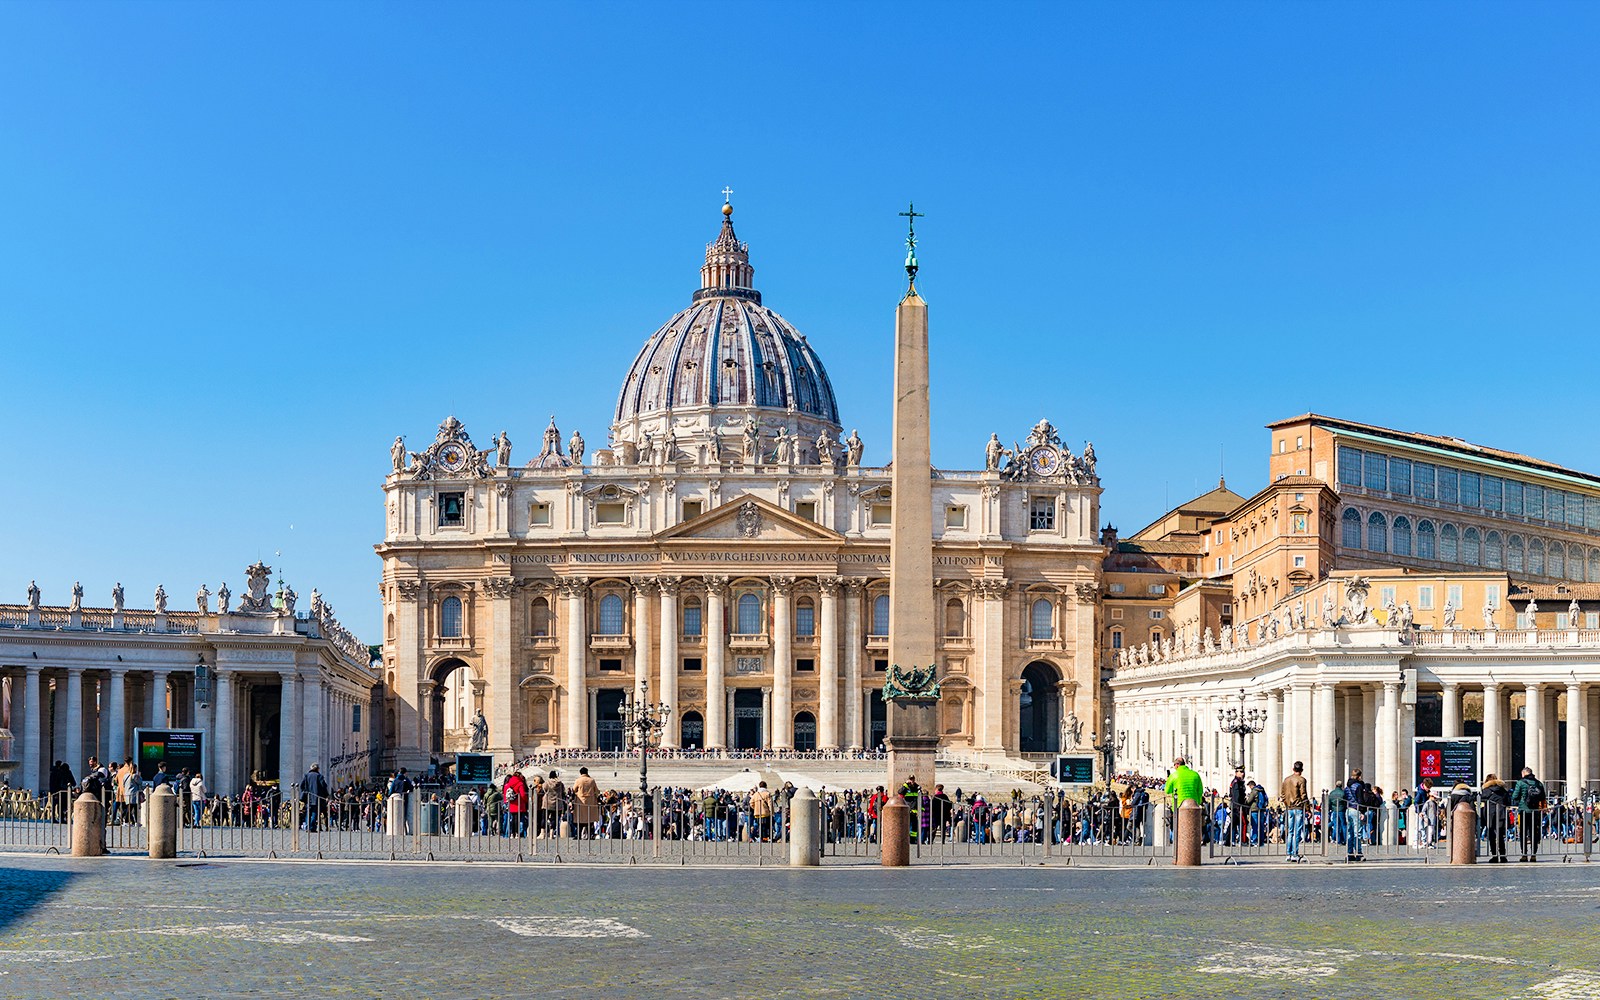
<point x="1528" y="798"/>
<point x="1295" y="801"/>
<point x="1496" y="803"/>
<point x="1356" y="792"/>
<point x="586" y="796"/>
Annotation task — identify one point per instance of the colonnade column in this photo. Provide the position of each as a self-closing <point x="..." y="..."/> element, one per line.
<point x="1270" y="771"/>
<point x="1353" y="722"/>
<point x="1491" y="730"/>
<point x="1322" y="733"/>
<point x="576" y="730"/>
<point x="852" y="663"/>
<point x="117" y="694"/>
<point x="74" y="742"/>
<point x="312" y="731"/>
<point x="222" y="752"/>
<point x="292" y="763"/>
<point x="158" y="699"/>
<point x="1577" y="755"/>
<point x="669" y="660"/>
<point x="828" y="718"/>
<point x="32" y="724"/>
<point x="1533" y="729"/>
<point x="1451" y="727"/>
<point x="1300" y="732"/>
<point x="1370" y="722"/>
<point x="782" y="664"/>
<point x="716" y="651"/>
<point x="1390" y="755"/>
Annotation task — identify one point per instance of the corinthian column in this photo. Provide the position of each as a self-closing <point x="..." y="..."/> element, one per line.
<point x="852" y="662"/>
<point x="643" y="589"/>
<point x="669" y="659"/>
<point x="577" y="723"/>
<point x="782" y="664"/>
<point x="828" y="720"/>
<point x="716" y="650"/>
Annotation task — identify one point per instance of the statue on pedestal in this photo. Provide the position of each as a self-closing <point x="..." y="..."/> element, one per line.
<point x="77" y="597"/>
<point x="480" y="733"/>
<point x="116" y="598"/>
<point x="202" y="598"/>
<point x="161" y="599"/>
<point x="853" y="449"/>
<point x="224" y="597"/>
<point x="993" y="452"/>
<point x="397" y="454"/>
<point x="33" y="595"/>
<point x="575" y="448"/>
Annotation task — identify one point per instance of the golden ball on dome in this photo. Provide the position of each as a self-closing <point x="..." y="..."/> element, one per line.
<point x="727" y="208"/>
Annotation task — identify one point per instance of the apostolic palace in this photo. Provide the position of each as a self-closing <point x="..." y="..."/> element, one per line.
<point x="725" y="552"/>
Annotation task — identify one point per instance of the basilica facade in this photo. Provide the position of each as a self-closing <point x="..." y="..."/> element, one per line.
<point x="726" y="552"/>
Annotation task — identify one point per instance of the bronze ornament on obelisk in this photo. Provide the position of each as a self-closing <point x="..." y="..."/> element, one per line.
<point x="911" y="690"/>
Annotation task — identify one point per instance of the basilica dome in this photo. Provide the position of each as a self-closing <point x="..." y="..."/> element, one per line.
<point x="725" y="360"/>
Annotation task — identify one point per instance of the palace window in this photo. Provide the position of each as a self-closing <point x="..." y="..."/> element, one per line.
<point x="691" y="617"/>
<point x="1425" y="540"/>
<point x="1422" y="480"/>
<point x="1557" y="560"/>
<point x="955" y="618"/>
<point x="611" y="513"/>
<point x="1425" y="598"/>
<point x="749" y="620"/>
<point x="1493" y="551"/>
<point x="1350" y="531"/>
<point x="1533" y="501"/>
<point x="610" y="615"/>
<point x="1377" y="533"/>
<point x="1349" y="467"/>
<point x="539" y="515"/>
<point x="1449" y="549"/>
<point x="691" y="664"/>
<point x="1116" y="638"/>
<point x="1514" y="554"/>
<point x="1377" y="477"/>
<point x="1400" y="476"/>
<point x="805" y="665"/>
<point x="1157" y="614"/>
<point x="1492" y="492"/>
<point x="1449" y="485"/>
<point x="1299" y="562"/>
<point x="1453" y="596"/>
<point x="1555" y="506"/>
<point x="611" y="665"/>
<point x="1040" y="625"/>
<point x="880" y="666"/>
<point x="539" y="621"/>
<point x="452" y="508"/>
<point x="450" y="618"/>
<point x="1385" y="596"/>
<point x="1042" y="514"/>
<point x="1469" y="489"/>
<point x="1513" y="501"/>
<point x="355" y="718"/>
<point x="1471" y="553"/>
<point x="880" y="616"/>
<point x="805" y="618"/>
<point x="1400" y="537"/>
<point x="1594" y="565"/>
<point x="1536" y="557"/>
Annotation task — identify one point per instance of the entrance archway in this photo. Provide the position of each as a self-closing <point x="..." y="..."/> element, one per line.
<point x="451" y="706"/>
<point x="692" y="731"/>
<point x="747" y="719"/>
<point x="805" y="731"/>
<point x="1039" y="709"/>
<point x="608" y="719"/>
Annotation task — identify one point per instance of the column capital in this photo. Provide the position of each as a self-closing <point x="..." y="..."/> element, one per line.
<point x="1535" y="686"/>
<point x="573" y="587"/>
<point x="854" y="584"/>
<point x="499" y="586"/>
<point x="781" y="585"/>
<point x="644" y="586"/>
<point x="74" y="671"/>
<point x="716" y="585"/>
<point x="829" y="585"/>
<point x="669" y="584"/>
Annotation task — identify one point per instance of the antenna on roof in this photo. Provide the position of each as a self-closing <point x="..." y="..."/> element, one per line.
<point x="1222" y="475"/>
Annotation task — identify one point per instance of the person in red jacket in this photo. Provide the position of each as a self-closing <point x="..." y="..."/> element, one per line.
<point x="516" y="796"/>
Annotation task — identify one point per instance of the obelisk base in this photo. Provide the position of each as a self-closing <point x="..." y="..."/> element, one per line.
<point x="913" y="742"/>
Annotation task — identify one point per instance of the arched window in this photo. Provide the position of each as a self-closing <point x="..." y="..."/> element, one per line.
<point x="1425" y="540"/>
<point x="1494" y="555"/>
<point x="1471" y="553"/>
<point x="1377" y="533"/>
<point x="539" y="616"/>
<point x="1594" y="565"/>
<point x="388" y="629"/>
<point x="1400" y="537"/>
<point x="955" y="618"/>
<point x="805" y="618"/>
<point x="1557" y="560"/>
<point x="1040" y="625"/>
<point x="692" y="617"/>
<point x="611" y="615"/>
<point x="749" y="615"/>
<point x="880" y="615"/>
<point x="805" y="731"/>
<point x="1351" y="520"/>
<point x="1514" y="554"/>
<point x="450" y="618"/>
<point x="1449" y="550"/>
<point x="1575" y="562"/>
<point x="1536" y="557"/>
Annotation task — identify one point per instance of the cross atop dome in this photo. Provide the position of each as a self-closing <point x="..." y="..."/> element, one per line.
<point x="727" y="269"/>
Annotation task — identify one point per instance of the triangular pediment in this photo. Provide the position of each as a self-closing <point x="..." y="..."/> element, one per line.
<point x="748" y="518"/>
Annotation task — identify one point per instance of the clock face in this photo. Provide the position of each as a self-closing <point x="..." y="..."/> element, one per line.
<point x="1045" y="461"/>
<point x="453" y="458"/>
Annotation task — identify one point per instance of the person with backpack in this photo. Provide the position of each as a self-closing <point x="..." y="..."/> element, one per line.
<point x="1528" y="798"/>
<point x="1356" y="792"/>
<point x="1496" y="802"/>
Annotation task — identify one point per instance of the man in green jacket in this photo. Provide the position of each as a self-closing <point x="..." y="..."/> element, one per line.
<point x="1184" y="785"/>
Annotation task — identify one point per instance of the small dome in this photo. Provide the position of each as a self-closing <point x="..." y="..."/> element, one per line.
<point x="727" y="352"/>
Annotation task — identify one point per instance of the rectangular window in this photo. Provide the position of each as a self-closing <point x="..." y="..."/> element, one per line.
<point x="881" y="514"/>
<point x="1492" y="492"/>
<point x="880" y="666"/>
<point x="1116" y="639"/>
<point x="1385" y="596"/>
<point x="1591" y="619"/>
<point x="691" y="664"/>
<point x="693" y="509"/>
<point x="1157" y="588"/>
<point x="805" y="666"/>
<point x="1533" y="501"/>
<point x="355" y="718"/>
<point x="1469" y="489"/>
<point x="1299" y="562"/>
<point x="1400" y="476"/>
<point x="1116" y="588"/>
<point x="1561" y="619"/>
<point x="1513" y="497"/>
<point x="1425" y="598"/>
<point x="806" y="509"/>
<point x="1422" y="483"/>
<point x="1449" y="491"/>
<point x="611" y="513"/>
<point x="1454" y="596"/>
<point x="1156" y="615"/>
<point x="805" y="621"/>
<point x="691" y="620"/>
<point x="1555" y="506"/>
<point x="1116" y="614"/>
<point x="1574" y="510"/>
<point x="1042" y="514"/>
<point x="1591" y="515"/>
<point x="1377" y="477"/>
<point x="452" y="510"/>
<point x="1491" y="595"/>
<point x="1349" y="466"/>
<point x="539" y="515"/>
<point x="955" y="518"/>
<point x="1522" y="620"/>
<point x="609" y="664"/>
<point x="1219" y="564"/>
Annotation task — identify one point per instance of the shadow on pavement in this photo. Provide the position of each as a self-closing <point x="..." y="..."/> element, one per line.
<point x="22" y="889"/>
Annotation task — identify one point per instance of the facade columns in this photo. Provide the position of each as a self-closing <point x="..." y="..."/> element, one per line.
<point x="1533" y="729"/>
<point x="501" y="674"/>
<point x="852" y="663"/>
<point x="782" y="664"/>
<point x="828" y="718"/>
<point x="117" y="694"/>
<point x="1451" y="728"/>
<point x="1491" y="730"/>
<point x="1322" y="732"/>
<point x="576" y="730"/>
<point x="32" y="726"/>
<point x="291" y="759"/>
<point x="1270" y="769"/>
<point x="74" y="741"/>
<point x="766" y="717"/>
<point x="669" y="661"/>
<point x="717" y="696"/>
<point x="222" y="753"/>
<point x="992" y="733"/>
<point x="643" y="589"/>
<point x="1577" y="705"/>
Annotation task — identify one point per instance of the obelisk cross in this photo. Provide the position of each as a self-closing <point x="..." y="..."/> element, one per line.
<point x="727" y="195"/>
<point x="911" y="215"/>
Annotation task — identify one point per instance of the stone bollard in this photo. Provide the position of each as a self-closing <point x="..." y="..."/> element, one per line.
<point x="895" y="832"/>
<point x="465" y="820"/>
<point x="88" y="827"/>
<point x="162" y="829"/>
<point x="1191" y="822"/>
<point x="1391" y="824"/>
<point x="805" y="841"/>
<point x="395" y="815"/>
<point x="1463" y="835"/>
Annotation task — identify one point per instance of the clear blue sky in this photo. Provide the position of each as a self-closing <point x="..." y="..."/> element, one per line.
<point x="244" y="245"/>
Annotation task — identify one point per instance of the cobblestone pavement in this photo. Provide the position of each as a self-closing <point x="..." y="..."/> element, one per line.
<point x="123" y="927"/>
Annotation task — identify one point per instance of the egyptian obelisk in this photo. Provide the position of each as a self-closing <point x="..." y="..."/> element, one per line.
<point x="912" y="715"/>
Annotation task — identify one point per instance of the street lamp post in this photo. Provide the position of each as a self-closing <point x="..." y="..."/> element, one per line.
<point x="643" y="722"/>
<point x="1108" y="745"/>
<point x="1243" y="723"/>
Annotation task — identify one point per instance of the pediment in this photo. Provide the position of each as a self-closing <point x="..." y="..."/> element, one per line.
<point x="749" y="519"/>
